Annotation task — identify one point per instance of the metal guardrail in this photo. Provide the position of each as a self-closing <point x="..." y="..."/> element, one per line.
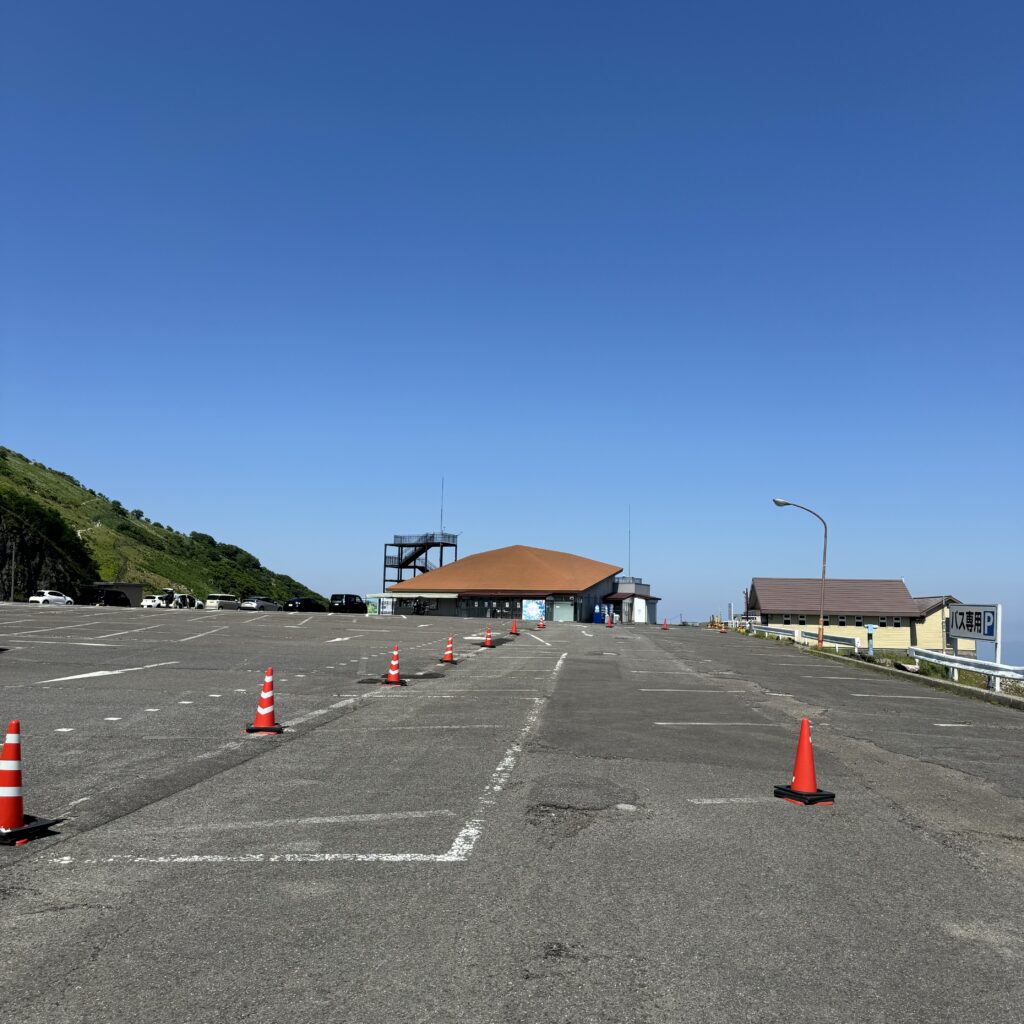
<point x="804" y="636"/>
<point x="952" y="663"/>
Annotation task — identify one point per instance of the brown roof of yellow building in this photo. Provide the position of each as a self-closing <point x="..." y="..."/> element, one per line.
<point x="515" y="569"/>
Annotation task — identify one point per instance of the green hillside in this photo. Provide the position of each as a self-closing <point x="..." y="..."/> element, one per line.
<point x="54" y="532"/>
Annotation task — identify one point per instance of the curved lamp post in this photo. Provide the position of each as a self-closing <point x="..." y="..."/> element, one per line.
<point x="824" y="552"/>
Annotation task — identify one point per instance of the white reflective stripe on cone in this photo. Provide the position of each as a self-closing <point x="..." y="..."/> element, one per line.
<point x="13" y="737"/>
<point x="10" y="790"/>
<point x="10" y="766"/>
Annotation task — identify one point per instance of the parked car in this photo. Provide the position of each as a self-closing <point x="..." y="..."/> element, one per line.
<point x="222" y="601"/>
<point x="151" y="601"/>
<point x="348" y="603"/>
<point x="259" y="604"/>
<point x="303" y="604"/>
<point x="49" y="597"/>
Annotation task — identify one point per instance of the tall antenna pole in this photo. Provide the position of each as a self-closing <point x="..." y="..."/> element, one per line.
<point x="442" y="504"/>
<point x="629" y="540"/>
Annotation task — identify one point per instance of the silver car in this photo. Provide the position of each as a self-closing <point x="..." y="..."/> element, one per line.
<point x="260" y="604"/>
<point x="221" y="601"/>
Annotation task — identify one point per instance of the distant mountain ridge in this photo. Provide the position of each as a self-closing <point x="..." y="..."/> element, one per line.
<point x="55" y="532"/>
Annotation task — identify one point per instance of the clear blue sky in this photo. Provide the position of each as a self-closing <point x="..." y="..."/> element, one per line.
<point x="270" y="270"/>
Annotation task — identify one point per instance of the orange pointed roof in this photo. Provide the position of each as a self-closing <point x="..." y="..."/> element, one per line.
<point x="511" y="570"/>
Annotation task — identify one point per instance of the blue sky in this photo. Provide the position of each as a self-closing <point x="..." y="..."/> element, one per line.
<point x="573" y="257"/>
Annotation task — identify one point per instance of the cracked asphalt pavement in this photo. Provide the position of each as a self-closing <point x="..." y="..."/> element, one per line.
<point x="576" y="826"/>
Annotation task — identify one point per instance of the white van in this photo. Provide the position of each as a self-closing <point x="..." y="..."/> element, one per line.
<point x="221" y="601"/>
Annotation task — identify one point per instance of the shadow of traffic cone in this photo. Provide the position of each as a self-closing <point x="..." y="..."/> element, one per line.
<point x="16" y="827"/>
<point x="394" y="678"/>
<point x="449" y="653"/>
<point x="513" y="631"/>
<point x="488" y="642"/>
<point x="664" y="625"/>
<point x="804" y="787"/>
<point x="264" y="721"/>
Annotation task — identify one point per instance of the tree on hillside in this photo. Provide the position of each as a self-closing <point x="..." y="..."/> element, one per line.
<point x="39" y="549"/>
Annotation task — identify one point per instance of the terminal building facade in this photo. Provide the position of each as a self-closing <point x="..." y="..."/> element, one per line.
<point x="512" y="582"/>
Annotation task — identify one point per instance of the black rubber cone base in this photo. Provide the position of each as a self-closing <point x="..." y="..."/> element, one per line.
<point x="401" y="682"/>
<point x="454" y="661"/>
<point x="794" y="796"/>
<point x="265" y="728"/>
<point x="32" y="829"/>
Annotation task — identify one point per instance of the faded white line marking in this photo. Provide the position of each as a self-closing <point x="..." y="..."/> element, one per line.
<point x="185" y="639"/>
<point x="953" y="725"/>
<point x="334" y="819"/>
<point x="53" y="629"/>
<point x="534" y="636"/>
<point x="417" y="728"/>
<point x="67" y="643"/>
<point x="732" y="800"/>
<point x="124" y="632"/>
<point x="111" y="719"/>
<point x="64" y="730"/>
<point x="760" y="725"/>
<point x="895" y="696"/>
<point x="106" y="672"/>
<point x="666" y="690"/>
<point x="459" y="851"/>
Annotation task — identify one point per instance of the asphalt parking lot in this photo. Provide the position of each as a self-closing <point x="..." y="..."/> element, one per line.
<point x="577" y="826"/>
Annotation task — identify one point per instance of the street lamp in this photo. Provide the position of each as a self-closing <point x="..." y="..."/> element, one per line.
<point x="824" y="552"/>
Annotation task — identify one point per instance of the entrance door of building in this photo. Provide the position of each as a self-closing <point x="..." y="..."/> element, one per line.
<point x="562" y="611"/>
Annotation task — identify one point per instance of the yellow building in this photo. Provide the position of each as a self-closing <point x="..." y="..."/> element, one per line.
<point x="900" y="621"/>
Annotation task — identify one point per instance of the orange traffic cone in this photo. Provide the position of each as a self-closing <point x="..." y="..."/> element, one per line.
<point x="264" y="721"/>
<point x="513" y="631"/>
<point x="540" y="625"/>
<point x="664" y="625"/>
<point x="394" y="678"/>
<point x="804" y="787"/>
<point x="449" y="653"/>
<point x="608" y="621"/>
<point x="16" y="827"/>
<point x="488" y="642"/>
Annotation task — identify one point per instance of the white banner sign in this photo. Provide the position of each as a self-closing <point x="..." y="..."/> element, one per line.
<point x="974" y="621"/>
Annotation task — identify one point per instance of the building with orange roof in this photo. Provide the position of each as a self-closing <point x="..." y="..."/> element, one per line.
<point x="512" y="582"/>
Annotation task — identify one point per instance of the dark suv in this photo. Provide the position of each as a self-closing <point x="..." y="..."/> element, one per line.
<point x="303" y="604"/>
<point x="348" y="603"/>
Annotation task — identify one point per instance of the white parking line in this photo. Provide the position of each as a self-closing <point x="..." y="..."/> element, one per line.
<point x="342" y="639"/>
<point x="207" y="633"/>
<point x="653" y="690"/>
<point x="953" y="725"/>
<point x="141" y="629"/>
<point x="460" y="850"/>
<point x="533" y="636"/>
<point x="760" y="725"/>
<point x="334" y="819"/>
<point x="895" y="696"/>
<point x="105" y="672"/>
<point x="731" y="800"/>
<point x="53" y="629"/>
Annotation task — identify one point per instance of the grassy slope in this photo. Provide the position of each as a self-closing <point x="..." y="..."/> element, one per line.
<point x="137" y="551"/>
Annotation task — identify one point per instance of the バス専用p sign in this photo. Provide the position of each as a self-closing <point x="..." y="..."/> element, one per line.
<point x="974" y="621"/>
